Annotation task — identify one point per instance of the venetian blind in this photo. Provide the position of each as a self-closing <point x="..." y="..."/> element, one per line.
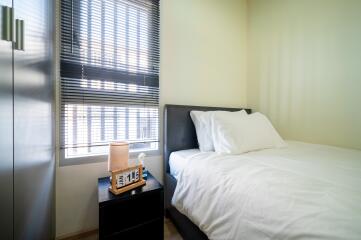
<point x="109" y="74"/>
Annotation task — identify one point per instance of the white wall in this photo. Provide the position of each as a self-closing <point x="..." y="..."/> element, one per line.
<point x="305" y="68"/>
<point x="203" y="54"/>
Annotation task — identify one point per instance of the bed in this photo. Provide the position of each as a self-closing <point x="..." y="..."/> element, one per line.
<point x="304" y="191"/>
<point x="179" y="134"/>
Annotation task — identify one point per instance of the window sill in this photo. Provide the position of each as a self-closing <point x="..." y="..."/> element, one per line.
<point x="101" y="158"/>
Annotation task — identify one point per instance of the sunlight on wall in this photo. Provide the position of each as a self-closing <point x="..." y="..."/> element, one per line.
<point x="305" y="68"/>
<point x="203" y="52"/>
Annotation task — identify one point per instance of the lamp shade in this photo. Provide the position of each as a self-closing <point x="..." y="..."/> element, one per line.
<point x="118" y="156"/>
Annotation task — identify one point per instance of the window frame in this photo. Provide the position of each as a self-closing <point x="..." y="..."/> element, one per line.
<point x="100" y="158"/>
<point x="92" y="158"/>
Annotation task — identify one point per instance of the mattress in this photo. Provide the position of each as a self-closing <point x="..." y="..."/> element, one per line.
<point x="303" y="191"/>
<point x="179" y="159"/>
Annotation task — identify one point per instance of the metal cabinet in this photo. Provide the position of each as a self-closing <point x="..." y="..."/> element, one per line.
<point x="6" y="122"/>
<point x="27" y="164"/>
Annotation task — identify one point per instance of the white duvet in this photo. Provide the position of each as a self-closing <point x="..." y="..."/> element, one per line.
<point x="304" y="191"/>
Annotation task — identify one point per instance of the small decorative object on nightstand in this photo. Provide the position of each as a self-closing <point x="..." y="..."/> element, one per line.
<point x="135" y="214"/>
<point x="141" y="158"/>
<point x="127" y="179"/>
<point x="123" y="176"/>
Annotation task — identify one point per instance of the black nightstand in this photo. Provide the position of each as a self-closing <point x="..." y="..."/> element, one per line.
<point x="137" y="214"/>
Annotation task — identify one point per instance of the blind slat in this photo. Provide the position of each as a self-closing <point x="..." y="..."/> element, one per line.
<point x="109" y="74"/>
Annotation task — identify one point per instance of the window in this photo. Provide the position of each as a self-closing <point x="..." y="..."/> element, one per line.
<point x="109" y="75"/>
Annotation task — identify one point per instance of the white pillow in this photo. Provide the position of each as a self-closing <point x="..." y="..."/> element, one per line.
<point x="240" y="134"/>
<point x="203" y="123"/>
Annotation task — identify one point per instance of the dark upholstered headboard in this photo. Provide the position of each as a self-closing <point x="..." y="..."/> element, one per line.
<point x="179" y="131"/>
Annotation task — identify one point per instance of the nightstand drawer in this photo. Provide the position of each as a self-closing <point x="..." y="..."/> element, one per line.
<point x="131" y="212"/>
<point x="151" y="230"/>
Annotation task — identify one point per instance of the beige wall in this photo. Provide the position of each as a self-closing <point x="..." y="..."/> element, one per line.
<point x="305" y="68"/>
<point x="203" y="54"/>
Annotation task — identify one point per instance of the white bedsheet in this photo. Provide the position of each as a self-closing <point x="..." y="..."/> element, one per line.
<point x="179" y="159"/>
<point x="304" y="191"/>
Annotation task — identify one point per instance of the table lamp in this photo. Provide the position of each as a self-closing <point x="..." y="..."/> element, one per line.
<point x="118" y="156"/>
